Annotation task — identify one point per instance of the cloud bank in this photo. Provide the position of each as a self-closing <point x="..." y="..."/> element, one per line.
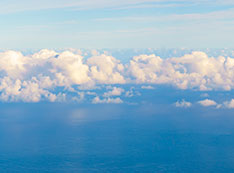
<point x="35" y="77"/>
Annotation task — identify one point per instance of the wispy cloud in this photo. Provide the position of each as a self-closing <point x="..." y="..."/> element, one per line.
<point x="28" y="5"/>
<point x="48" y="25"/>
<point x="210" y="16"/>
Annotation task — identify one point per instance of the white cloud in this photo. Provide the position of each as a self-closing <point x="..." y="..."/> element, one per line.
<point x="183" y="104"/>
<point x="12" y="64"/>
<point x="28" y="5"/>
<point x="71" y="65"/>
<point x="145" y="68"/>
<point x="79" y="98"/>
<point x="106" y="69"/>
<point x="229" y="104"/>
<point x="35" y="77"/>
<point x="207" y="103"/>
<point x="88" y="86"/>
<point x="114" y="92"/>
<point x="226" y="104"/>
<point x="196" y="71"/>
<point x="132" y="92"/>
<point x="27" y="91"/>
<point x="147" y="87"/>
<point x="97" y="100"/>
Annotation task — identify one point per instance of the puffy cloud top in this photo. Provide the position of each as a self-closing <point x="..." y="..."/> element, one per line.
<point x="34" y="77"/>
<point x="106" y="69"/>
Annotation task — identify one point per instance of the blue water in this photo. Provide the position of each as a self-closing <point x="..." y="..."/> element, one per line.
<point x="47" y="137"/>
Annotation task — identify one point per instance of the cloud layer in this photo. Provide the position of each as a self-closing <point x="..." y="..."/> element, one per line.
<point x="35" y="77"/>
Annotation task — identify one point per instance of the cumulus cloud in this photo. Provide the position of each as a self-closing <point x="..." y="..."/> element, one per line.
<point x="106" y="70"/>
<point x="226" y="104"/>
<point x="114" y="92"/>
<point x="132" y="92"/>
<point x="229" y="104"/>
<point x="71" y="67"/>
<point x="79" y="98"/>
<point x="191" y="71"/>
<point x="183" y="104"/>
<point x="207" y="103"/>
<point x="144" y="68"/>
<point x="97" y="100"/>
<point x="35" y="77"/>
<point x="28" y="91"/>
<point x="12" y="64"/>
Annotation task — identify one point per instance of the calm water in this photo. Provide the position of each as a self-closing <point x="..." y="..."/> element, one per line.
<point x="115" y="138"/>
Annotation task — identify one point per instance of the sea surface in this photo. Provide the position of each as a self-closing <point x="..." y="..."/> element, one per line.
<point x="56" y="137"/>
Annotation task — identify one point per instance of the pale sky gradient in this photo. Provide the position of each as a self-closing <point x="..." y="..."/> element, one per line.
<point x="116" y="24"/>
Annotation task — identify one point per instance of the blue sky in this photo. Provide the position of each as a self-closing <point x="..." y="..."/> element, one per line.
<point x="69" y="102"/>
<point x="116" y="24"/>
<point x="58" y="73"/>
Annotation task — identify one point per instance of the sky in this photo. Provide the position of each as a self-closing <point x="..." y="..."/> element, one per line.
<point x="30" y="24"/>
<point x="116" y="86"/>
<point x="108" y="51"/>
<point x="97" y="77"/>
